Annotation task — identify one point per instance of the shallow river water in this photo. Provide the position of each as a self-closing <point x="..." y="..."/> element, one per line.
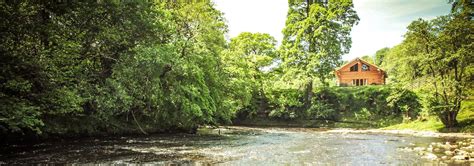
<point x="229" y="146"/>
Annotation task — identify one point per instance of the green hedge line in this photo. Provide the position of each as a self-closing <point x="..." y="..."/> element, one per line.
<point x="367" y="103"/>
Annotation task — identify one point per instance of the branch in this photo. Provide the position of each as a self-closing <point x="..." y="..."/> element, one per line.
<point x="138" y="124"/>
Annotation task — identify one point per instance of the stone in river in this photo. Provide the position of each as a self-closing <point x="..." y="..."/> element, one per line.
<point x="459" y="157"/>
<point x="445" y="158"/>
<point x="430" y="156"/>
<point x="449" y="153"/>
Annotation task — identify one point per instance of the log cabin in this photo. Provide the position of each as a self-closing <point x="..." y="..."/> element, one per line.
<point x="359" y="73"/>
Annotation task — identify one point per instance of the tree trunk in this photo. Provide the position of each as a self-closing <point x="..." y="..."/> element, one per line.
<point x="308" y="94"/>
<point x="262" y="105"/>
<point x="449" y="119"/>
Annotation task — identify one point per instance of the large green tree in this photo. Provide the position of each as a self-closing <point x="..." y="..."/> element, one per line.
<point x="316" y="35"/>
<point x="436" y="57"/>
<point x="247" y="62"/>
<point x="102" y="62"/>
<point x="57" y="54"/>
<point x="179" y="83"/>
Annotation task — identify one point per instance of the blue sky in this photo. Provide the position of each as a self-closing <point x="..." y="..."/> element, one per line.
<point x="382" y="22"/>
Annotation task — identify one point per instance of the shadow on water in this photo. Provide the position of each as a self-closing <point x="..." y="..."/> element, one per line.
<point x="232" y="145"/>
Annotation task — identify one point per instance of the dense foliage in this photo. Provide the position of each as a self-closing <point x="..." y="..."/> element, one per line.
<point x="247" y="61"/>
<point x="316" y="35"/>
<point x="358" y="103"/>
<point x="380" y="55"/>
<point x="154" y="64"/>
<point x="436" y="59"/>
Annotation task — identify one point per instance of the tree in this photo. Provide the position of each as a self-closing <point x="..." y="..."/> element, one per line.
<point x="56" y="55"/>
<point x="64" y="63"/>
<point x="380" y="54"/>
<point x="368" y="58"/>
<point x="245" y="62"/>
<point x="463" y="7"/>
<point x="179" y="83"/>
<point x="435" y="57"/>
<point x="316" y="35"/>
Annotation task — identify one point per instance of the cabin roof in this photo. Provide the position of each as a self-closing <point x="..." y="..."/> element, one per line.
<point x="358" y="59"/>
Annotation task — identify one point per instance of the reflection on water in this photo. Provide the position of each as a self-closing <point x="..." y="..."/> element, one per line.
<point x="233" y="145"/>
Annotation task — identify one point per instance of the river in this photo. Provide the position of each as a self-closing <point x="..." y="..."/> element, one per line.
<point x="228" y="146"/>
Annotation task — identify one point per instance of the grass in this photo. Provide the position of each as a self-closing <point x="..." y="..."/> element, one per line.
<point x="465" y="119"/>
<point x="305" y="123"/>
<point x="348" y="120"/>
<point x="432" y="124"/>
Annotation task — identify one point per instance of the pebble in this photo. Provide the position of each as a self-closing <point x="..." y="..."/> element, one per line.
<point x="430" y="149"/>
<point x="458" y="157"/>
<point x="419" y="149"/>
<point x="449" y="153"/>
<point x="430" y="156"/>
<point x="459" y="161"/>
<point x="459" y="152"/>
<point x="406" y="149"/>
<point x="445" y="158"/>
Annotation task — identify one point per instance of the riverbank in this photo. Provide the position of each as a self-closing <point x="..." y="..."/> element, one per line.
<point x="267" y="122"/>
<point x="432" y="134"/>
<point x="364" y="128"/>
<point x="428" y="126"/>
<point x="465" y="119"/>
<point x="404" y="132"/>
<point x="91" y="127"/>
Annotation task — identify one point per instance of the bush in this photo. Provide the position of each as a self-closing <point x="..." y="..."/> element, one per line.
<point x="373" y="98"/>
<point x="325" y="105"/>
<point x="377" y="105"/>
<point x="321" y="110"/>
<point x="362" y="103"/>
<point x="404" y="101"/>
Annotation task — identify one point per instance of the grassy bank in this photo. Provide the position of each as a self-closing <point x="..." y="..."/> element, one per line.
<point x="266" y="122"/>
<point x="352" y="119"/>
<point x="465" y="119"/>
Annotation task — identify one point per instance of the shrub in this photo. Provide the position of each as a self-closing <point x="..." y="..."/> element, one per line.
<point x="404" y="101"/>
<point x="367" y="103"/>
<point x="364" y="103"/>
<point x="321" y="110"/>
<point x="325" y="105"/>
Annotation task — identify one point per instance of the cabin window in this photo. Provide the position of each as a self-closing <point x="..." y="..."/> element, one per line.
<point x="365" y="67"/>
<point x="359" y="82"/>
<point x="355" y="67"/>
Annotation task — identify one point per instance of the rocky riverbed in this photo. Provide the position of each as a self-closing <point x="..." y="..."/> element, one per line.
<point x="459" y="152"/>
<point x="247" y="146"/>
<point x="405" y="132"/>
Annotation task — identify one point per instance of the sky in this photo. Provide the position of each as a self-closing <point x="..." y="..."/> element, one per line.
<point x="382" y="22"/>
